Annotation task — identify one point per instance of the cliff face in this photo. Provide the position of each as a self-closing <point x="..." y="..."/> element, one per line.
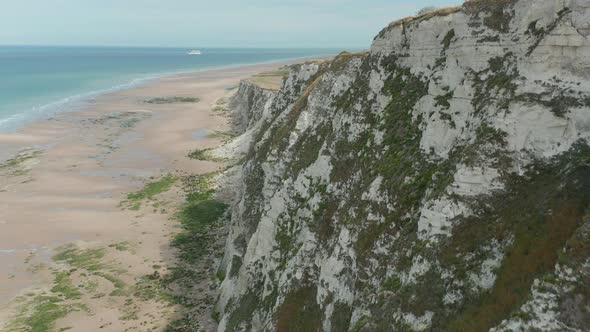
<point x="440" y="181"/>
<point x="249" y="104"/>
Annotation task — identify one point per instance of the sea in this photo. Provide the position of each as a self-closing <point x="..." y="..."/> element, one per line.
<point x="37" y="82"/>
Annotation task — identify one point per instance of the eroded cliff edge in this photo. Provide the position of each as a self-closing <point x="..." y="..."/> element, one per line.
<point x="440" y="181"/>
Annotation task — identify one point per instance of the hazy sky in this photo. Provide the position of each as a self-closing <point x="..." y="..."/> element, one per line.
<point x="200" y="23"/>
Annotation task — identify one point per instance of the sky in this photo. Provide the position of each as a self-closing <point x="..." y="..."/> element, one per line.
<point x="200" y="23"/>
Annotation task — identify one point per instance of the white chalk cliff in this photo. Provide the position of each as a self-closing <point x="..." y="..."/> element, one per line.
<point x="440" y="181"/>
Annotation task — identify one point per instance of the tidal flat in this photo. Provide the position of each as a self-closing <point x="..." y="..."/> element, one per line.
<point x="104" y="218"/>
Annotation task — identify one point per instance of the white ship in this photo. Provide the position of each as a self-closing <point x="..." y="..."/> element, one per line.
<point x="194" y="52"/>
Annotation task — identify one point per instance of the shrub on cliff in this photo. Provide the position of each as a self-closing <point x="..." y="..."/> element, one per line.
<point x="426" y="10"/>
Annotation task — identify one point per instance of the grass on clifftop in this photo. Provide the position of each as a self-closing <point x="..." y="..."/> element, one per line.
<point x="270" y="80"/>
<point x="424" y="17"/>
<point x="172" y="100"/>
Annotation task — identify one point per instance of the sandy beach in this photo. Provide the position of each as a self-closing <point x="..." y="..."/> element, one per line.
<point x="64" y="186"/>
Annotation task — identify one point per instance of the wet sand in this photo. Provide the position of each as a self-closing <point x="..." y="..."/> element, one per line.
<point x="67" y="176"/>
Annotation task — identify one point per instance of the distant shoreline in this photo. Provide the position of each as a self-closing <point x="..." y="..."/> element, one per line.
<point x="10" y="140"/>
<point x="75" y="102"/>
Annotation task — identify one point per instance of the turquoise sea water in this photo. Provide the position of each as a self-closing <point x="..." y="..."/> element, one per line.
<point x="37" y="82"/>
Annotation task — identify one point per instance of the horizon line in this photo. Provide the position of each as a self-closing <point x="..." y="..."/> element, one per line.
<point x="185" y="46"/>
